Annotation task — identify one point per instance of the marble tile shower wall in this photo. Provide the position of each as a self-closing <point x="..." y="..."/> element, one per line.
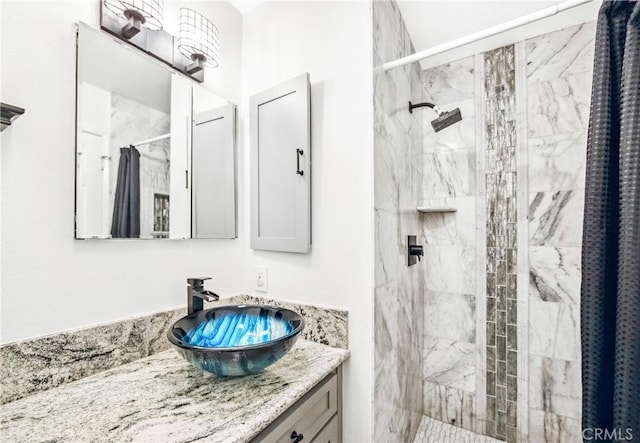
<point x="450" y="348"/>
<point x="399" y="289"/>
<point x="464" y="379"/>
<point x="559" y="74"/>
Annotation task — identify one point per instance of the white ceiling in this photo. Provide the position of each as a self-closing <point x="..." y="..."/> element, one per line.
<point x="245" y="5"/>
<point x="433" y="22"/>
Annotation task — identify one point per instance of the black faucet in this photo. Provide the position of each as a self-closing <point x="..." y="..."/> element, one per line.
<point x="196" y="294"/>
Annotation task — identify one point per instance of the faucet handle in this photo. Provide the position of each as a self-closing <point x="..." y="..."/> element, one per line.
<point x="197" y="281"/>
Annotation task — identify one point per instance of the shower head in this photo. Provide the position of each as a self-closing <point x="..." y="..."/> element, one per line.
<point x="445" y="118"/>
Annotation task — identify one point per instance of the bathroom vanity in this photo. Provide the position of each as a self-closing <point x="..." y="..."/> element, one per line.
<point x="163" y="398"/>
<point x="122" y="381"/>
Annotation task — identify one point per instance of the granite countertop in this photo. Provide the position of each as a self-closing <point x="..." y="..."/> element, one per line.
<point x="163" y="398"/>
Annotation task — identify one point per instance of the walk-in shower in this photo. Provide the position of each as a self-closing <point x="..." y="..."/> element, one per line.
<point x="483" y="335"/>
<point x="445" y="118"/>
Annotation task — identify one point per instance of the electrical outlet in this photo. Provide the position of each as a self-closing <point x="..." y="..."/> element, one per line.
<point x="261" y="279"/>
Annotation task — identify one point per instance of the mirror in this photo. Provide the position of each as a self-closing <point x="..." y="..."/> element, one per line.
<point x="155" y="151"/>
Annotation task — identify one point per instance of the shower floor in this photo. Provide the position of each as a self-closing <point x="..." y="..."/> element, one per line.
<point x="434" y="431"/>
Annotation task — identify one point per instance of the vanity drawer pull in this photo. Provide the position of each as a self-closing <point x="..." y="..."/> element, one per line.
<point x="296" y="437"/>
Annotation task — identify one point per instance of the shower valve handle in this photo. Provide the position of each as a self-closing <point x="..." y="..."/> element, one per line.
<point x="416" y="250"/>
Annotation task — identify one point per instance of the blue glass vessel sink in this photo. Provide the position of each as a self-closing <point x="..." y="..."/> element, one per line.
<point x="236" y="340"/>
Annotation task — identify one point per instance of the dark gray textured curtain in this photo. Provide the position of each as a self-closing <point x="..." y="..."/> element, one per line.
<point x="610" y="308"/>
<point x="126" y="208"/>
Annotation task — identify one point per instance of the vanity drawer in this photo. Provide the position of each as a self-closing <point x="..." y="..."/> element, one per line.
<point x="308" y="416"/>
<point x="329" y="433"/>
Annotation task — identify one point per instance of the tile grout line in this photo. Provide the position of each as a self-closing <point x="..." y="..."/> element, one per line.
<point x="481" y="283"/>
<point x="523" y="246"/>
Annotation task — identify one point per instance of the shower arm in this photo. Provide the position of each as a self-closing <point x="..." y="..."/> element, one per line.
<point x="425" y="104"/>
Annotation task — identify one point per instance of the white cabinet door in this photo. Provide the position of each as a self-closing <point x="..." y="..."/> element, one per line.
<point x="213" y="187"/>
<point x="281" y="167"/>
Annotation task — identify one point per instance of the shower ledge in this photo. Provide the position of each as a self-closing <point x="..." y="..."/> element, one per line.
<point x="436" y="205"/>
<point x="428" y="210"/>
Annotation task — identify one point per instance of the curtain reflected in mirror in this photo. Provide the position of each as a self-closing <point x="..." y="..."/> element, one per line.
<point x="126" y="205"/>
<point x="141" y="196"/>
<point x="138" y="129"/>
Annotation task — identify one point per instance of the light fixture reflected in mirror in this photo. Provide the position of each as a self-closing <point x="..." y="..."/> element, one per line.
<point x="197" y="40"/>
<point x="138" y="13"/>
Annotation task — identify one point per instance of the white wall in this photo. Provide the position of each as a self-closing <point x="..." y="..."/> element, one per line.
<point x="331" y="41"/>
<point x="51" y="282"/>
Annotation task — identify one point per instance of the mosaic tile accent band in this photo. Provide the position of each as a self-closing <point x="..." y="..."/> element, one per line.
<point x="501" y="243"/>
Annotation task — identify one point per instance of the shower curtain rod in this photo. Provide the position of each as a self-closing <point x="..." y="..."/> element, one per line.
<point x="506" y="26"/>
<point x="151" y="140"/>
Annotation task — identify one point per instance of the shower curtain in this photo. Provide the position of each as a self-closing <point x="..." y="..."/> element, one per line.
<point x="610" y="309"/>
<point x="126" y="208"/>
